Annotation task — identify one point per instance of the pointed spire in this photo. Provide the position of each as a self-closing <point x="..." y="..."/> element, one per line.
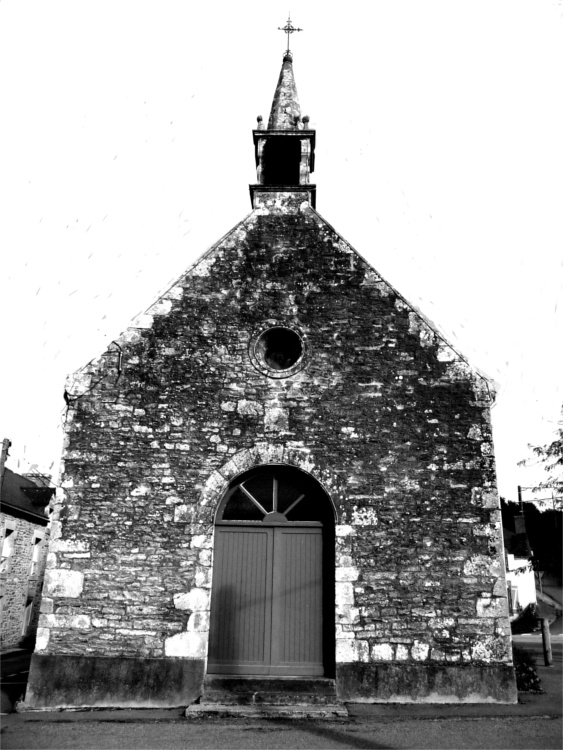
<point x="286" y="112"/>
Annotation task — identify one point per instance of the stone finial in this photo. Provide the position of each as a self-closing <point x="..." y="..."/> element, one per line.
<point x="260" y="121"/>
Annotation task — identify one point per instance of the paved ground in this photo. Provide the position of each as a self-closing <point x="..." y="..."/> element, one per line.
<point x="233" y="734"/>
<point x="535" y="722"/>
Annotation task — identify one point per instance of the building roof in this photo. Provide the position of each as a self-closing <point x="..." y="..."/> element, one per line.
<point x="24" y="498"/>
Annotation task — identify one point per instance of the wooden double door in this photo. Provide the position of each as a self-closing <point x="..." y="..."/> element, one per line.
<point x="267" y="593"/>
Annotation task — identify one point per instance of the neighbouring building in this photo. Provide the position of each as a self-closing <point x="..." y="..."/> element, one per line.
<point x="283" y="470"/>
<point x="23" y="545"/>
<point x="520" y="577"/>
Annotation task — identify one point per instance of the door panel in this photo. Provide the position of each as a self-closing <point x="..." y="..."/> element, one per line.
<point x="297" y="646"/>
<point x="266" y="604"/>
<point x="240" y="633"/>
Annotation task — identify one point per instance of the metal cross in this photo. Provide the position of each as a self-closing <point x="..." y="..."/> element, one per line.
<point x="289" y="29"/>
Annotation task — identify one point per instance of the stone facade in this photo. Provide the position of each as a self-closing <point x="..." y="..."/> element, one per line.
<point x="379" y="409"/>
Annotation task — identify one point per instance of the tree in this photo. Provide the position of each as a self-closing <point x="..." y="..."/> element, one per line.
<point x="543" y="529"/>
<point x="551" y="456"/>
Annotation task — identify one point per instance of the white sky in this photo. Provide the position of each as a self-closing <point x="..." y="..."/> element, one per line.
<point x="126" y="151"/>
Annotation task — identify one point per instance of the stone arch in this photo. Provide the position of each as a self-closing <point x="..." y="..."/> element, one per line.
<point x="267" y="453"/>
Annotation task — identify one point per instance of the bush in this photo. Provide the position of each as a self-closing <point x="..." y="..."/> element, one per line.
<point x="527" y="680"/>
<point x="527" y="622"/>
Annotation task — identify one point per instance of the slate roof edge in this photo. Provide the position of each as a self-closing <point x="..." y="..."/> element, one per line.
<point x="27" y="515"/>
<point x="433" y="326"/>
<point x="161" y="295"/>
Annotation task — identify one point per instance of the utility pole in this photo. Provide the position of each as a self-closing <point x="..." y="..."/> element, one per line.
<point x="546" y="640"/>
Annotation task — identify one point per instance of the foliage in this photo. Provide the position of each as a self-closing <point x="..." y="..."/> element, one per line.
<point x="527" y="622"/>
<point x="527" y="680"/>
<point x="522" y="569"/>
<point x="551" y="456"/>
<point x="543" y="528"/>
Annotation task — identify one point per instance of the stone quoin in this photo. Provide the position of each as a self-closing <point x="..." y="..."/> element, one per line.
<point x="280" y="469"/>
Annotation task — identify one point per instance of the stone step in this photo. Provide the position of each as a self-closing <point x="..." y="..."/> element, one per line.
<point x="273" y="691"/>
<point x="268" y="711"/>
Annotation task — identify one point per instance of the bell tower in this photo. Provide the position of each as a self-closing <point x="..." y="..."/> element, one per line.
<point x="285" y="149"/>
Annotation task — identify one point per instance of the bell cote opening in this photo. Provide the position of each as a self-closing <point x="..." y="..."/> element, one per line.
<point x="281" y="158"/>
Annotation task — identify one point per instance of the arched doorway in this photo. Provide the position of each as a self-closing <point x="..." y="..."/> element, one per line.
<point x="272" y="600"/>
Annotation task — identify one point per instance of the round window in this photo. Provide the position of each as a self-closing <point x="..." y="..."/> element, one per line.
<point x="277" y="351"/>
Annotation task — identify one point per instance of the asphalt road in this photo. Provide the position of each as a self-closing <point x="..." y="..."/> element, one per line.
<point x="536" y="722"/>
<point x="489" y="733"/>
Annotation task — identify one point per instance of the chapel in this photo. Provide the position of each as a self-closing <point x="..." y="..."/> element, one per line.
<point x="279" y="481"/>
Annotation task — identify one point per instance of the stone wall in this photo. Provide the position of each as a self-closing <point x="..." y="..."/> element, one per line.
<point x="380" y="410"/>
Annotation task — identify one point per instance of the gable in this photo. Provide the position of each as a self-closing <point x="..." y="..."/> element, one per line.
<point x="288" y="265"/>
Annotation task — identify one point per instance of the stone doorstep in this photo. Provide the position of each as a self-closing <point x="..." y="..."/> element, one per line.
<point x="272" y="691"/>
<point x="294" y="711"/>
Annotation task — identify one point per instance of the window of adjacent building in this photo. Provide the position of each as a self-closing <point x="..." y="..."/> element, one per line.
<point x="2" y="595"/>
<point x="513" y="603"/>
<point x="8" y="544"/>
<point x="28" y="611"/>
<point x="35" y="555"/>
